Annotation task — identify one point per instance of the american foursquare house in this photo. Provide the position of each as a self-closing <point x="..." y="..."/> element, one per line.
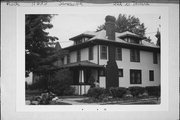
<point x="112" y="59"/>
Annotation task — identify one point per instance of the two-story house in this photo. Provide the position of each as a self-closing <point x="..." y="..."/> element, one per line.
<point x="112" y="59"/>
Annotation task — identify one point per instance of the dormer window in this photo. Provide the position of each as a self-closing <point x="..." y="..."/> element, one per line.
<point x="81" y="40"/>
<point x="84" y="39"/>
<point x="131" y="37"/>
<point x="132" y="40"/>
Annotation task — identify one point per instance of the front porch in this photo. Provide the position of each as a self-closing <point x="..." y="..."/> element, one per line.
<point x="85" y="75"/>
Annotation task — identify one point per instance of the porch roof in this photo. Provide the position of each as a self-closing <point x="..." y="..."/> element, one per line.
<point x="82" y="64"/>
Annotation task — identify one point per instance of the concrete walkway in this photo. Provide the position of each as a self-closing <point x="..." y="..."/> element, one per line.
<point x="74" y="101"/>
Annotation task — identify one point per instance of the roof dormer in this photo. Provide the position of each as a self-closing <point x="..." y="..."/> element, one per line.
<point x="82" y="38"/>
<point x="131" y="37"/>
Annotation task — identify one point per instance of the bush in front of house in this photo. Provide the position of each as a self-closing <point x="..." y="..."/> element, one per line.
<point x="153" y="90"/>
<point x="61" y="83"/>
<point x="136" y="90"/>
<point x="117" y="92"/>
<point x="97" y="92"/>
<point x="62" y="88"/>
<point x="69" y="91"/>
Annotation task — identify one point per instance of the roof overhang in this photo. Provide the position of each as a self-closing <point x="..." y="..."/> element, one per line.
<point x="111" y="42"/>
<point x="80" y="36"/>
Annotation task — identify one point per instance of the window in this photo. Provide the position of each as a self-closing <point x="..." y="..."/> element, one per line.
<point x="135" y="76"/>
<point x="118" y="53"/>
<point x="62" y="59"/>
<point x="78" y="55"/>
<point x="135" y="55"/>
<point x="85" y="39"/>
<point x="120" y="72"/>
<point x="103" y="52"/>
<point x="155" y="61"/>
<point x="68" y="58"/>
<point x="134" y="41"/>
<point x="102" y="72"/>
<point x="151" y="75"/>
<point x="90" y="53"/>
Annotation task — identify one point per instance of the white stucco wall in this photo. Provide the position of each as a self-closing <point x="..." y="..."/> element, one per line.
<point x="145" y="64"/>
<point x="73" y="56"/>
<point x="84" y="54"/>
<point x="95" y="54"/>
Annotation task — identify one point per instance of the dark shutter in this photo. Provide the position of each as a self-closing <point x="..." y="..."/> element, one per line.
<point x="151" y="75"/>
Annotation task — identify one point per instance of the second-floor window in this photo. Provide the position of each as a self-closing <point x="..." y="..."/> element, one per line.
<point x="103" y="52"/>
<point x="90" y="53"/>
<point x="78" y="55"/>
<point x="134" y="55"/>
<point x="118" y="53"/>
<point x="155" y="61"/>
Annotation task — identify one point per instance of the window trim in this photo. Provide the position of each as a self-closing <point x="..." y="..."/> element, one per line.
<point x="103" y="52"/>
<point x="68" y="58"/>
<point x="117" y="54"/>
<point x="91" y="53"/>
<point x="135" y="57"/>
<point x="121" y="71"/>
<point x="135" y="71"/>
<point x="78" y="55"/>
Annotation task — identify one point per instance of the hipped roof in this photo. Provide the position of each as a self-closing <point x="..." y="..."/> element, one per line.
<point x="100" y="37"/>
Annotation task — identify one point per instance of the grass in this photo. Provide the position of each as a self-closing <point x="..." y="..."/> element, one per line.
<point x="148" y="100"/>
<point x="30" y="94"/>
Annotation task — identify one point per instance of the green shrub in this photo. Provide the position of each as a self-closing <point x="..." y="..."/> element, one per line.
<point x="69" y="91"/>
<point x="61" y="83"/>
<point x="96" y="92"/>
<point x="117" y="92"/>
<point x="153" y="90"/>
<point x="136" y="90"/>
<point x="60" y="87"/>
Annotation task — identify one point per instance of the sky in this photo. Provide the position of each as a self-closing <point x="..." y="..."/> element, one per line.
<point x="69" y="24"/>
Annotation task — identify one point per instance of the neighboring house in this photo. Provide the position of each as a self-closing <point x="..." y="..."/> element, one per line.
<point x="111" y="59"/>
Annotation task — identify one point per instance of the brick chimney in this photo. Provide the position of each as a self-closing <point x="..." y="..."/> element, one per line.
<point x="112" y="78"/>
<point x="110" y="27"/>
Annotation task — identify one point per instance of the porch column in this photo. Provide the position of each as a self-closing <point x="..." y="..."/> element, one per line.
<point x="82" y="72"/>
<point x="81" y="79"/>
<point x="80" y="76"/>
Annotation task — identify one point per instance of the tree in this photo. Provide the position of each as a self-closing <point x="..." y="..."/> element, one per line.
<point x="130" y="23"/>
<point x="158" y="36"/>
<point x="37" y="40"/>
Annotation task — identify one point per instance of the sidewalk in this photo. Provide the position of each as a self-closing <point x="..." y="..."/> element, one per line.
<point x="74" y="101"/>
